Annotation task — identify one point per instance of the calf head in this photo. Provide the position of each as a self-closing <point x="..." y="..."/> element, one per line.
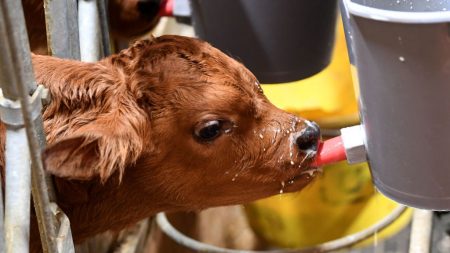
<point x="189" y="124"/>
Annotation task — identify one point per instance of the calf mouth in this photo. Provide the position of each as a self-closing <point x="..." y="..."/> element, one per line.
<point x="302" y="177"/>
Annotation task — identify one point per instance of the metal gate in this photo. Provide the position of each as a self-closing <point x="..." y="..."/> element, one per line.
<point x="20" y="111"/>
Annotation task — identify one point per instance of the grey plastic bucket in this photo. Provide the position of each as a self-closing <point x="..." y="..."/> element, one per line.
<point x="402" y="56"/>
<point x="278" y="40"/>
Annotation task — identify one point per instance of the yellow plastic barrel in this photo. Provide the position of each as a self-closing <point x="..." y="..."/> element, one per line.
<point x="343" y="200"/>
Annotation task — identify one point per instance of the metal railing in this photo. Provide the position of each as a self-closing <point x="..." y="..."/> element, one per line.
<point x="20" y="107"/>
<point x="20" y="111"/>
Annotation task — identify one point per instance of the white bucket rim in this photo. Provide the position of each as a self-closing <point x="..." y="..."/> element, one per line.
<point x="405" y="17"/>
<point x="330" y="246"/>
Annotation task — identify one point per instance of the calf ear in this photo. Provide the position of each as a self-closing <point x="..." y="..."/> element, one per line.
<point x="98" y="149"/>
<point x="73" y="158"/>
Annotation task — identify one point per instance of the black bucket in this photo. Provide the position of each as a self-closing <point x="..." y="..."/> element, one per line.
<point x="278" y="40"/>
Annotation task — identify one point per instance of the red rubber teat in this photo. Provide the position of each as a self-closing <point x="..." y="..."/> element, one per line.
<point x="166" y="8"/>
<point x="330" y="151"/>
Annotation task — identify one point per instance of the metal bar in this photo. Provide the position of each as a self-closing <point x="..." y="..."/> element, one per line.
<point x="15" y="68"/>
<point x="421" y="229"/>
<point x="64" y="240"/>
<point x="133" y="241"/>
<point x="17" y="191"/>
<point x="61" y="17"/>
<point x="93" y="30"/>
<point x="89" y="30"/>
<point x="42" y="187"/>
<point x="18" y="84"/>
<point x="62" y="28"/>
<point x="2" y="217"/>
<point x="102" y="6"/>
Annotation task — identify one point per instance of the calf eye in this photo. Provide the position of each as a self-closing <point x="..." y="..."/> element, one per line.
<point x="209" y="131"/>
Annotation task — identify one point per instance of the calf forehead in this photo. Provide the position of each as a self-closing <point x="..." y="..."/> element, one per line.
<point x="228" y="72"/>
<point x="196" y="71"/>
<point x="210" y="72"/>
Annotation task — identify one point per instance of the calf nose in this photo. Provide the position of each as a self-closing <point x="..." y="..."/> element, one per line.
<point x="309" y="139"/>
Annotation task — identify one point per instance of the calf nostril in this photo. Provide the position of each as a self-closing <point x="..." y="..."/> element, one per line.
<point x="307" y="143"/>
<point x="309" y="139"/>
